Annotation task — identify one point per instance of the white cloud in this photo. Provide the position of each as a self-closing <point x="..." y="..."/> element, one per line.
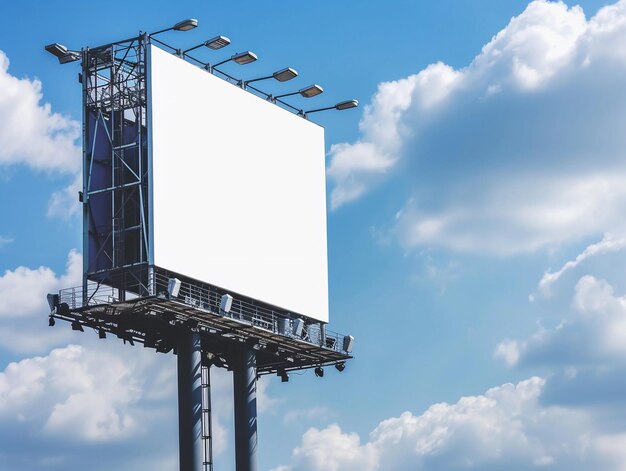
<point x="24" y="290"/>
<point x="593" y="335"/>
<point x="23" y="324"/>
<point x="30" y="133"/>
<point x="520" y="150"/>
<point x="609" y="243"/>
<point x="67" y="405"/>
<point x="506" y="428"/>
<point x="64" y="203"/>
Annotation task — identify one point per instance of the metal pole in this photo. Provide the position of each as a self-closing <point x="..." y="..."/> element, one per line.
<point x="190" y="401"/>
<point x="244" y="385"/>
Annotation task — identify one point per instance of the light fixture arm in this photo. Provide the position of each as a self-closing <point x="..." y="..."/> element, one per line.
<point x="246" y="82"/>
<point x="286" y="94"/>
<point x="192" y="48"/>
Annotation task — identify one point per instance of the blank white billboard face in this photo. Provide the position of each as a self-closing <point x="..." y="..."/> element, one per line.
<point x="239" y="197"/>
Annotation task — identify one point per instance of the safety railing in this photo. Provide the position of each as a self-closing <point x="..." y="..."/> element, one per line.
<point x="215" y="301"/>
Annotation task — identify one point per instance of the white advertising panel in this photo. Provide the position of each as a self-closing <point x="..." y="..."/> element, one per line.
<point x="238" y="189"/>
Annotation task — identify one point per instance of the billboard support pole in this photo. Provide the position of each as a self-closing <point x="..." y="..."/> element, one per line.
<point x="190" y="401"/>
<point x="244" y="388"/>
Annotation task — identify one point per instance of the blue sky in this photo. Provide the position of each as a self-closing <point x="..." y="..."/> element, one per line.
<point x="476" y="240"/>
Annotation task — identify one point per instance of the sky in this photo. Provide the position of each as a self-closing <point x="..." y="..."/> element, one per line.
<point x="475" y="230"/>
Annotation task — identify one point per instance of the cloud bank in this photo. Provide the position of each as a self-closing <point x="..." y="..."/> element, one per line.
<point x="508" y="427"/>
<point x="520" y="150"/>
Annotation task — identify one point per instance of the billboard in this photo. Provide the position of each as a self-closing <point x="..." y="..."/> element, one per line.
<point x="238" y="189"/>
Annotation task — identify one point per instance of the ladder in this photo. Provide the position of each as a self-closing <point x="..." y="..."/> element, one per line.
<point x="207" y="432"/>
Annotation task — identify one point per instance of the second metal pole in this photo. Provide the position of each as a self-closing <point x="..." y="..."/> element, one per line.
<point x="244" y="386"/>
<point x="190" y="401"/>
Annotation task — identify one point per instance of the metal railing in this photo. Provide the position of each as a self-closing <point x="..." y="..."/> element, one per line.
<point x="208" y="298"/>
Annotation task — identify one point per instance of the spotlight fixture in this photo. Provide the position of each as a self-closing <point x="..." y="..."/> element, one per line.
<point x="346" y="105"/>
<point x="284" y="376"/>
<point x="298" y="327"/>
<point x="343" y="105"/>
<point x="226" y="303"/>
<point x="173" y="287"/>
<point x="348" y="343"/>
<point x="51" y="321"/>
<point x="77" y="326"/>
<point x="62" y="53"/>
<point x="184" y="25"/>
<point x="241" y="58"/>
<point x="218" y="42"/>
<point x="102" y="334"/>
<point x="306" y="92"/>
<point x="282" y="75"/>
<point x="340" y="366"/>
<point x="53" y="301"/>
<point x="319" y="372"/>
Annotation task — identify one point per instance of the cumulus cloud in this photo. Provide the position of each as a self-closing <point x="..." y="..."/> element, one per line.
<point x="508" y="427"/>
<point x="30" y="132"/>
<point x="520" y="150"/>
<point x="23" y="325"/>
<point x="88" y="396"/>
<point x="592" y="335"/>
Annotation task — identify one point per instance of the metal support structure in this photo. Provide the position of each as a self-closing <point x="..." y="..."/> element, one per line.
<point x="123" y="293"/>
<point x="191" y="450"/>
<point x="244" y="388"/>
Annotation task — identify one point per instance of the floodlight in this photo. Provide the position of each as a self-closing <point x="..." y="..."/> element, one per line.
<point x="184" y="25"/>
<point x="77" y="326"/>
<point x="62" y="53"/>
<point x="284" y="376"/>
<point x="343" y="105"/>
<point x="319" y="372"/>
<point x="53" y="301"/>
<point x="226" y="303"/>
<point x="285" y="74"/>
<point x="298" y="326"/>
<point x="283" y="326"/>
<point x="243" y="58"/>
<point x="306" y="92"/>
<point x="340" y="366"/>
<point x="51" y="321"/>
<point x="218" y="42"/>
<point x="346" y="105"/>
<point x="102" y="334"/>
<point x="281" y="75"/>
<point x="348" y="343"/>
<point x="173" y="287"/>
<point x="56" y="49"/>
